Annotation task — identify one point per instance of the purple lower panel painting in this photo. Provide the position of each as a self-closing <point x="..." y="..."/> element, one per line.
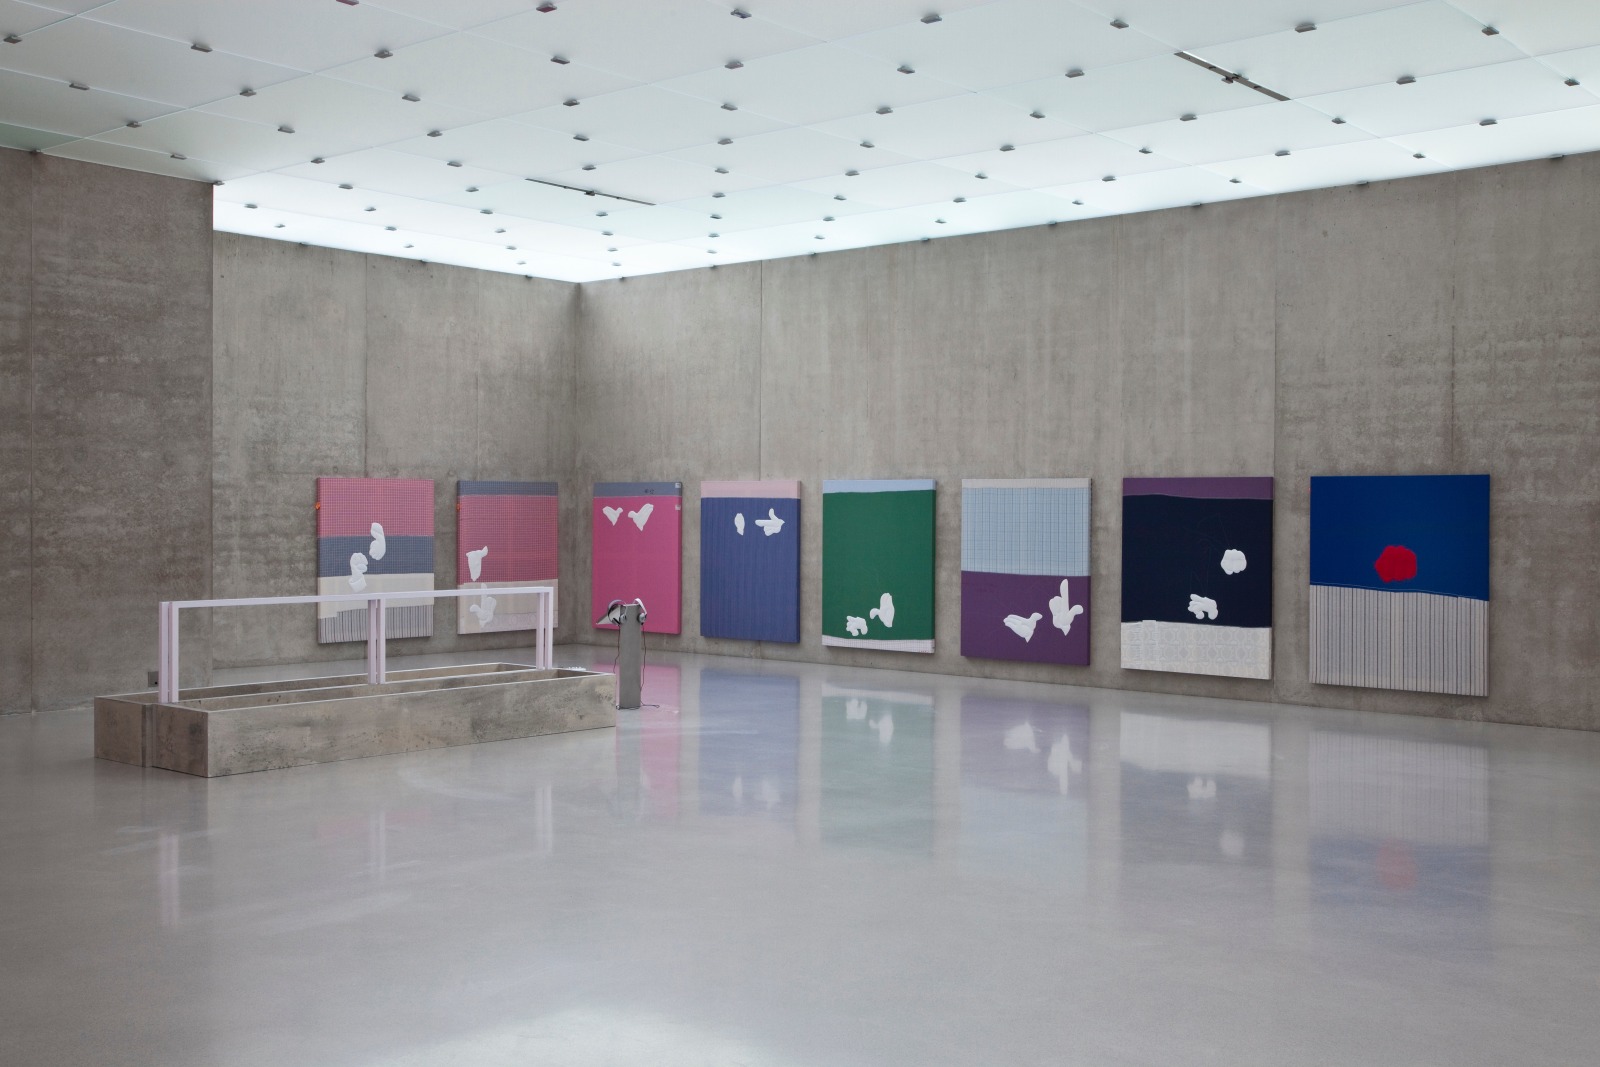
<point x="991" y="629"/>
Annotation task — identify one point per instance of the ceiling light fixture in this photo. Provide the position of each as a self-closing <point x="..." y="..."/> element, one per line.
<point x="960" y="200"/>
<point x="716" y="216"/>
<point x="611" y="248"/>
<point x="718" y="196"/>
<point x="1418" y="155"/>
<point x="1490" y="31"/>
<point x="868" y="144"/>
<point x="1281" y="152"/>
<point x="77" y="85"/>
<point x="346" y="185"/>
<point x="1337" y="121"/>
<point x="739" y="13"/>
<point x="247" y="92"/>
<point x="1235" y="181"/>
<point x="411" y="98"/>
<point x="472" y="188"/>
<point x="369" y="209"/>
<point x="571" y="102"/>
<point x="285" y="128"/>
<point x="1305" y="27"/>
<point x="607" y="233"/>
<point x="1119" y="24"/>
<point x="886" y="110"/>
<point x="905" y="68"/>
<point x="713" y="235"/>
<point x="349" y="3"/>
<point x="383" y="53"/>
<point x="730" y="107"/>
<point x="724" y="140"/>
<point x="134" y="125"/>
<point x="722" y="170"/>
<point x="1008" y="148"/>
<point x="1188" y="116"/>
<point x="278" y="226"/>
<point x="852" y="173"/>
<point x="1075" y="72"/>
<point x="1406" y="79"/>
<point x="545" y="8"/>
<point x="838" y="196"/>
<point x="733" y="64"/>
<point x="198" y="47"/>
<point x="580" y="137"/>
<point x="1573" y="81"/>
<point x="452" y="163"/>
<point x="1109" y="178"/>
<point x="589" y="192"/>
<point x="1231" y="77"/>
<point x="981" y="174"/>
<point x="12" y="38"/>
<point x="252" y="207"/>
<point x="560" y="60"/>
<point x="1036" y="114"/>
<point x="930" y="18"/>
<point x="1078" y="203"/>
<point x="588" y="166"/>
<point x="391" y="229"/>
<point x="500" y="229"/>
<point x="486" y="211"/>
<point x="179" y="155"/>
<point x="1145" y="151"/>
<point x="1489" y="122"/>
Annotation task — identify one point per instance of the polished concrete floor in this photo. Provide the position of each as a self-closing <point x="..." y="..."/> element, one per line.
<point x="806" y="865"/>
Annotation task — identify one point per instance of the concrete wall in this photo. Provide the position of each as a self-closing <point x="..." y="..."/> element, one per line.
<point x="338" y="363"/>
<point x="105" y="422"/>
<point x="1440" y="324"/>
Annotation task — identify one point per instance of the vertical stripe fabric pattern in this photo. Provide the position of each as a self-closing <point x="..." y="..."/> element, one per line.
<point x="750" y="560"/>
<point x="374" y="535"/>
<point x="508" y="531"/>
<point x="1400" y="582"/>
<point x="636" y="531"/>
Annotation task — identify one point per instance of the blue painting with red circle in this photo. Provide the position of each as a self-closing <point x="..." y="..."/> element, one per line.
<point x="1400" y="582"/>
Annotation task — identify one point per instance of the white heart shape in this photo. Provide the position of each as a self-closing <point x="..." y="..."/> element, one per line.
<point x="613" y="514"/>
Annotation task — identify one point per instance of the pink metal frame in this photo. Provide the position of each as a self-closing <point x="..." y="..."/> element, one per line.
<point x="377" y="637"/>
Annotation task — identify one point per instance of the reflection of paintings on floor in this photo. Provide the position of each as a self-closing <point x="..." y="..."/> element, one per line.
<point x="505" y="537"/>
<point x="750" y="560"/>
<point x="1199" y="790"/>
<point x="877" y="564"/>
<point x="1197" y="575"/>
<point x="1025" y="570"/>
<point x="1400" y="582"/>
<point x="637" y="541"/>
<point x="1400" y="840"/>
<point x="749" y="744"/>
<point x="374" y="535"/>
<point x="877" y="769"/>
<point x="1024" y="789"/>
<point x="649" y="743"/>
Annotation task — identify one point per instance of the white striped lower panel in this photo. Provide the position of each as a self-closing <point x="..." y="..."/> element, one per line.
<point x="1399" y="640"/>
<point x="1197" y="648"/>
<point x="410" y="621"/>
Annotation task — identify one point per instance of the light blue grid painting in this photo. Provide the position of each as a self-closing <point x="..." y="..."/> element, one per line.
<point x="1025" y="527"/>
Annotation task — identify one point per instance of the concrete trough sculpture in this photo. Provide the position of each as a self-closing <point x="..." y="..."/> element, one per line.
<point x="262" y="726"/>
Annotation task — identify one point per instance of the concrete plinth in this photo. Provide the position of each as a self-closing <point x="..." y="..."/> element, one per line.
<point x="270" y="725"/>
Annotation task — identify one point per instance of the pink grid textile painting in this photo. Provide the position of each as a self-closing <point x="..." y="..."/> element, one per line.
<point x="506" y="536"/>
<point x="638" y="551"/>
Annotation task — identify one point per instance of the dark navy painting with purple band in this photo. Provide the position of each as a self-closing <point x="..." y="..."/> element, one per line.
<point x="1197" y="575"/>
<point x="1025" y="570"/>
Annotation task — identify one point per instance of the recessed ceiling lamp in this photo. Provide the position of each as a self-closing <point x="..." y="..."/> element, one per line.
<point x="198" y="47"/>
<point x="886" y="110"/>
<point x="452" y="163"/>
<point x="285" y="128"/>
<point x="1489" y="122"/>
<point x="435" y="133"/>
<point x="1119" y="24"/>
<point x="319" y="159"/>
<point x="930" y="18"/>
<point x="1188" y="116"/>
<point x="12" y="38"/>
<point x="1235" y="181"/>
<point x="383" y="53"/>
<point x="588" y="166"/>
<point x="485" y="211"/>
<point x="500" y="229"/>
<point x="1079" y="203"/>
<point x="472" y="188"/>
<point x="247" y="92"/>
<point x="179" y="155"/>
<point x="411" y="98"/>
<point x="1406" y="79"/>
<point x="1036" y="114"/>
<point x="369" y="209"/>
<point x="580" y="137"/>
<point x="573" y="102"/>
<point x="733" y="64"/>
<point x="1145" y="151"/>
<point x="391" y="229"/>
<point x="1418" y="155"/>
<point x="349" y="3"/>
<point x="959" y="200"/>
<point x="868" y="144"/>
<point x="77" y="85"/>
<point x="716" y="216"/>
<point x="279" y="226"/>
<point x="730" y="107"/>
<point x="724" y="140"/>
<point x="561" y="60"/>
<point x="718" y="196"/>
<point x="739" y="13"/>
<point x="1075" y="72"/>
<point x="252" y="207"/>
<point x="1490" y="31"/>
<point x="982" y="175"/>
<point x="1109" y="178"/>
<point x="134" y="125"/>
<point x="545" y="8"/>
<point x="1305" y="27"/>
<point x="838" y="196"/>
<point x="713" y="235"/>
<point x="1338" y="121"/>
<point x="1008" y="148"/>
<point x="722" y="170"/>
<point x="905" y="68"/>
<point x="1281" y="152"/>
<point x="852" y="173"/>
<point x="1573" y="81"/>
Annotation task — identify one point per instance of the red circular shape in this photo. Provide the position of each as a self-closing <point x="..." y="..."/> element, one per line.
<point x="1396" y="563"/>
